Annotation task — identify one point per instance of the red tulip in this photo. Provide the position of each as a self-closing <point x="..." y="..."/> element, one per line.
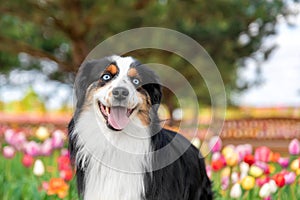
<point x="279" y="180"/>
<point x="249" y="159"/>
<point x="64" y="162"/>
<point x="27" y="160"/>
<point x="67" y="174"/>
<point x="262" y="154"/>
<point x="217" y="164"/>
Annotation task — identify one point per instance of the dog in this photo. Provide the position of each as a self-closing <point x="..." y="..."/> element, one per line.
<point x="116" y="142"/>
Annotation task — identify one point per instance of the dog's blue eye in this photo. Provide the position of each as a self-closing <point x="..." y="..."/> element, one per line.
<point x="135" y="81"/>
<point x="106" y="77"/>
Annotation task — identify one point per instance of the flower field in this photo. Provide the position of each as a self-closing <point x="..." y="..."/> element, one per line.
<point x="35" y="164"/>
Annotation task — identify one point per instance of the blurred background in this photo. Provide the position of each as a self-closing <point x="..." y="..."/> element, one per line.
<point x="254" y="43"/>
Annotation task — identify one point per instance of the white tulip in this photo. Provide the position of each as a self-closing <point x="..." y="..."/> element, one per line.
<point x="265" y="190"/>
<point x="273" y="186"/>
<point x="236" y="191"/>
<point x="38" y="168"/>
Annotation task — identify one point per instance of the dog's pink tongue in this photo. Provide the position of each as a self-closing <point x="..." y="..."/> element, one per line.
<point x="118" y="118"/>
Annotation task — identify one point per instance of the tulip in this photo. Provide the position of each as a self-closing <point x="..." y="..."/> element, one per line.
<point x="215" y="144"/>
<point x="273" y="186"/>
<point x="255" y="171"/>
<point x="289" y="178"/>
<point x="231" y="159"/>
<point x="236" y="191"/>
<point x="262" y="180"/>
<point x="8" y="135"/>
<point x="225" y="172"/>
<point x="216" y="156"/>
<point x="248" y="182"/>
<point x="295" y="165"/>
<point x="249" y="159"/>
<point x="263" y="166"/>
<point x="217" y="164"/>
<point x="294" y="147"/>
<point x="284" y="162"/>
<point x="65" y="152"/>
<point x="262" y="154"/>
<point x="208" y="171"/>
<point x="32" y="148"/>
<point x="27" y="160"/>
<point x="275" y="157"/>
<point x="58" y="139"/>
<point x="243" y="150"/>
<point x="46" y="147"/>
<point x="42" y="133"/>
<point x="38" y="168"/>
<point x="9" y="152"/>
<point x="265" y="190"/>
<point x="66" y="174"/>
<point x="228" y="150"/>
<point x="279" y="180"/>
<point x="15" y="139"/>
<point x="57" y="186"/>
<point x="64" y="162"/>
<point x="244" y="168"/>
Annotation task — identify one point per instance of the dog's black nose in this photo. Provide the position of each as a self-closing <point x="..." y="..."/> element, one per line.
<point x="120" y="93"/>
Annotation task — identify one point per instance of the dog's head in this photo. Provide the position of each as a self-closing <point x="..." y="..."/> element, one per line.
<point x="120" y="89"/>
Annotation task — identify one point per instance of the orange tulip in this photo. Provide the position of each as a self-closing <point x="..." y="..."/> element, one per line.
<point x="58" y="186"/>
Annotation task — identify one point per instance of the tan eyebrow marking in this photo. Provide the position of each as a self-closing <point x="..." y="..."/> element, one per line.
<point x="112" y="69"/>
<point x="132" y="72"/>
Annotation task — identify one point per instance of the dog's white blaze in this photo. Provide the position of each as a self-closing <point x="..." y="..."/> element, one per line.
<point x="102" y="181"/>
<point x="122" y="80"/>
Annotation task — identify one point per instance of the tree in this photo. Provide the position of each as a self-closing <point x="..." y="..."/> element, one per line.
<point x="65" y="31"/>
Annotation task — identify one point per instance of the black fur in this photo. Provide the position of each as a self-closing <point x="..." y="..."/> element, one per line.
<point x="185" y="178"/>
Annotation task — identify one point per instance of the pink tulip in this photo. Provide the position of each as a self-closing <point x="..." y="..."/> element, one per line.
<point x="243" y="150"/>
<point x="215" y="144"/>
<point x="15" y="139"/>
<point x="27" y="160"/>
<point x="216" y="156"/>
<point x="208" y="171"/>
<point x="224" y="182"/>
<point x="284" y="162"/>
<point x="262" y="154"/>
<point x="262" y="180"/>
<point x="65" y="152"/>
<point x="57" y="139"/>
<point x="9" y="152"/>
<point x="32" y="148"/>
<point x="294" y="147"/>
<point x="264" y="166"/>
<point x="46" y="147"/>
<point x="289" y="178"/>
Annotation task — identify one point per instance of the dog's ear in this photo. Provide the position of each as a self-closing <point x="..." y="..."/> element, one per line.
<point x="154" y="91"/>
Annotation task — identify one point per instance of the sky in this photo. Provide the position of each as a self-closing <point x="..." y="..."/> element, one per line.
<point x="281" y="73"/>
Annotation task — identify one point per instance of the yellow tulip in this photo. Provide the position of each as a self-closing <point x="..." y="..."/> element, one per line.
<point x="255" y="171"/>
<point x="232" y="159"/>
<point x="295" y="165"/>
<point x="248" y="182"/>
<point x="225" y="172"/>
<point x="42" y="133"/>
<point x="229" y="149"/>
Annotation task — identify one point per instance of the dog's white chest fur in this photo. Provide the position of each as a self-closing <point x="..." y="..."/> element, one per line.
<point x="116" y="160"/>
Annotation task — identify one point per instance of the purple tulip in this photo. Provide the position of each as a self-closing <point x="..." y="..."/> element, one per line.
<point x="46" y="147"/>
<point x="215" y="144"/>
<point x="294" y="147"/>
<point x="15" y="139"/>
<point x="32" y="148"/>
<point x="9" y="152"/>
<point x="57" y="139"/>
<point x="284" y="162"/>
<point x="289" y="178"/>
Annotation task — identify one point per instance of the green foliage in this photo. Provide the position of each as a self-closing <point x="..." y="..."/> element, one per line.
<point x="65" y="31"/>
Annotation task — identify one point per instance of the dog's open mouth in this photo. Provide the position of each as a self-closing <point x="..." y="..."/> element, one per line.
<point x="117" y="117"/>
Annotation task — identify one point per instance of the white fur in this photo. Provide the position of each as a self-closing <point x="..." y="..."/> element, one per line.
<point x="116" y="159"/>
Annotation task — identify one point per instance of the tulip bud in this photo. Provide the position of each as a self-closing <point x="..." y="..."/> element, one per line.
<point x="236" y="191"/>
<point x="255" y="171"/>
<point x="27" y="160"/>
<point x="38" y="168"/>
<point x="42" y="133"/>
<point x="294" y="147"/>
<point x="284" y="162"/>
<point x="9" y="152"/>
<point x="289" y="178"/>
<point x="273" y="186"/>
<point x="248" y="182"/>
<point x="265" y="190"/>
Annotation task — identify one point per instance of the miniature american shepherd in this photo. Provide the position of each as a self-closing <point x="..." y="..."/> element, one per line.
<point x="117" y="144"/>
